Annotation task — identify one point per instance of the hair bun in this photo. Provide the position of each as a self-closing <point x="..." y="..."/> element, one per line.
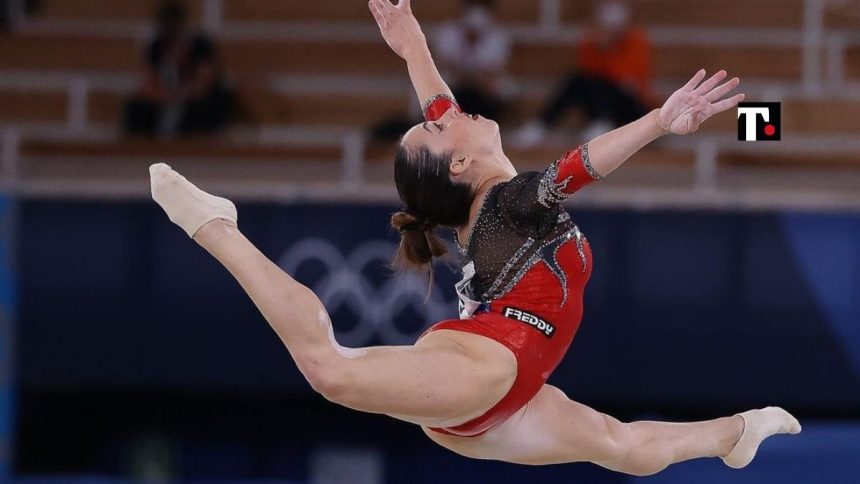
<point x="418" y="244"/>
<point x="405" y="220"/>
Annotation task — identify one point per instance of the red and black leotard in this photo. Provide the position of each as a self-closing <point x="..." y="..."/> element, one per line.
<point x="526" y="266"/>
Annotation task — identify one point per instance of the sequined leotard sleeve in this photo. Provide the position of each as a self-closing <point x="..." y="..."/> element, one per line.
<point x="565" y="176"/>
<point x="521" y="217"/>
<point x="528" y="197"/>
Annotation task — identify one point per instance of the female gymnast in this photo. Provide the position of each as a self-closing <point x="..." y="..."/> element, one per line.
<point x="476" y="385"/>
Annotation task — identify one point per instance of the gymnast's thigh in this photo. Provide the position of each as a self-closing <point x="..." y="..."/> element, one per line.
<point x="448" y="378"/>
<point x="550" y="429"/>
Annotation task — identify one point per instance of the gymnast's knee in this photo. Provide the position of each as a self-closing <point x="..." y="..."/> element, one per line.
<point x="622" y="452"/>
<point x="615" y="448"/>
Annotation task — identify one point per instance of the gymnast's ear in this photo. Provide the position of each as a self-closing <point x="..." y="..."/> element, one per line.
<point x="459" y="164"/>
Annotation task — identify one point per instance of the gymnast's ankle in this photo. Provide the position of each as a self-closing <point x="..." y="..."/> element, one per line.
<point x="731" y="441"/>
<point x="215" y="228"/>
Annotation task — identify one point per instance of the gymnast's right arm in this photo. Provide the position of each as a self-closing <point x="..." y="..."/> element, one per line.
<point x="401" y="31"/>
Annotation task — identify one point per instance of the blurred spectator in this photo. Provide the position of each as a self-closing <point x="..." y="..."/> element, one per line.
<point x="183" y="89"/>
<point x="473" y="51"/>
<point x="13" y="11"/>
<point x="613" y="82"/>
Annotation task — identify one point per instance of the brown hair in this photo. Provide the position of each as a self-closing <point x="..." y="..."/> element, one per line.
<point x="432" y="199"/>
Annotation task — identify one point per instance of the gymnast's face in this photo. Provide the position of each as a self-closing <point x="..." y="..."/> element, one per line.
<point x="474" y="142"/>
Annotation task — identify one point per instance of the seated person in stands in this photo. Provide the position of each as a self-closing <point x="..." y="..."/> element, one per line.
<point x="183" y="89"/>
<point x="613" y="82"/>
<point x="474" y="51"/>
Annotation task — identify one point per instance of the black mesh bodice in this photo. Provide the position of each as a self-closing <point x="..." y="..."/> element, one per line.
<point x="513" y="224"/>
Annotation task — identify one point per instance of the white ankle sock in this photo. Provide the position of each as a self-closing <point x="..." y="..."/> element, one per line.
<point x="186" y="205"/>
<point x="759" y="425"/>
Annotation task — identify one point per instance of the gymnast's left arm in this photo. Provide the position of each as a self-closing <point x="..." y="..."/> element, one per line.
<point x="683" y="113"/>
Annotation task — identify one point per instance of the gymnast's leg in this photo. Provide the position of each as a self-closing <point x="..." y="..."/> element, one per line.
<point x="447" y="377"/>
<point x="553" y="429"/>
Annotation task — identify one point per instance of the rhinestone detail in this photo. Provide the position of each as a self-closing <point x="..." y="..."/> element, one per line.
<point x="510" y="264"/>
<point x="464" y="250"/>
<point x="433" y="99"/>
<point x="580" y="248"/>
<point x="586" y="162"/>
<point x="548" y="253"/>
<point x="498" y="240"/>
<point x="551" y="192"/>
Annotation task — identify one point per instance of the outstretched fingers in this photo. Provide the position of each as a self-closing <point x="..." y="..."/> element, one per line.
<point x="384" y="5"/>
<point x="710" y="83"/>
<point x="381" y="9"/>
<point x="692" y="83"/>
<point x="722" y="90"/>
<point x="377" y="15"/>
<point x="727" y="104"/>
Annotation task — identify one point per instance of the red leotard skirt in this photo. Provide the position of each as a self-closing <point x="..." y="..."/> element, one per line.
<point x="530" y="321"/>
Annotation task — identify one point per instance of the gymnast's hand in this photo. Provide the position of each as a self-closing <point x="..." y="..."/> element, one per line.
<point x="690" y="106"/>
<point x="399" y="27"/>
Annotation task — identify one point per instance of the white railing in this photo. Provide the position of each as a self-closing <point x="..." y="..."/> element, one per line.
<point x="349" y="182"/>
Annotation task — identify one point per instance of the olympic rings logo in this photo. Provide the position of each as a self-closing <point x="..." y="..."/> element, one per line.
<point x="345" y="285"/>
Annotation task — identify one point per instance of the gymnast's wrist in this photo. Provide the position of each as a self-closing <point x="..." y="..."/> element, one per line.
<point x="417" y="53"/>
<point x="659" y="129"/>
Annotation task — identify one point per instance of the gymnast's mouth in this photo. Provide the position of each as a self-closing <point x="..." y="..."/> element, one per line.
<point x="474" y="116"/>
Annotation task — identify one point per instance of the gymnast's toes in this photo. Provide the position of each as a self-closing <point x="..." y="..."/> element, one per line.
<point x="158" y="168"/>
<point x="163" y="178"/>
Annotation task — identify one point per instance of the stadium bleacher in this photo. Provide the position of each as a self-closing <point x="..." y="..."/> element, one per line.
<point x="313" y="78"/>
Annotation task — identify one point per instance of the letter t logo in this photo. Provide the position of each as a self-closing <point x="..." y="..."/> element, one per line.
<point x="752" y="119"/>
<point x="759" y="121"/>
